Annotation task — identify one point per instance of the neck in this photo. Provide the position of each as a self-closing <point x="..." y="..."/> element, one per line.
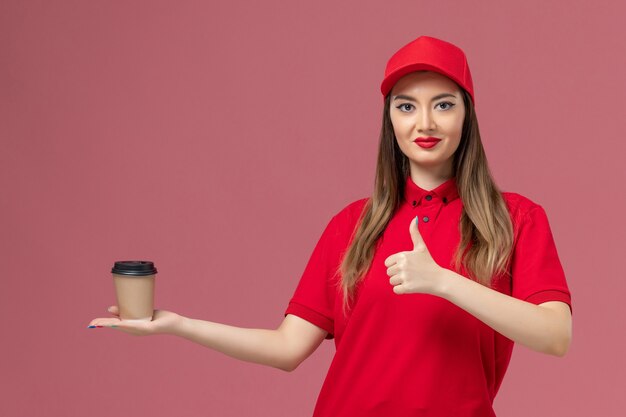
<point x="429" y="178"/>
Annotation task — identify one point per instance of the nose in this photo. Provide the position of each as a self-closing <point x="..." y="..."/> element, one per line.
<point x="425" y="121"/>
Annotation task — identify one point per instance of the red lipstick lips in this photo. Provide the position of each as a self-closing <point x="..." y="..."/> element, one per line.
<point x="427" y="142"/>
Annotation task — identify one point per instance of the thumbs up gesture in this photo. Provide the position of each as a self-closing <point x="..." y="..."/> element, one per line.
<point x="414" y="271"/>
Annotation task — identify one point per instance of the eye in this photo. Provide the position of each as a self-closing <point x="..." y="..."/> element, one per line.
<point x="402" y="106"/>
<point x="448" y="103"/>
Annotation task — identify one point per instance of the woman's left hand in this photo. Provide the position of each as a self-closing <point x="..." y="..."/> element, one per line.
<point x="415" y="271"/>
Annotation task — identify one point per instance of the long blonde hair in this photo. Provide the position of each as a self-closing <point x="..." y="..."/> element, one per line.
<point x="485" y="227"/>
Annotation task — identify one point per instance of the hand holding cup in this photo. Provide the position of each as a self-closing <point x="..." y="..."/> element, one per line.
<point x="134" y="312"/>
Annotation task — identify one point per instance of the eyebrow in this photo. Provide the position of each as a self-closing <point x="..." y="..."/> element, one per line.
<point x="437" y="97"/>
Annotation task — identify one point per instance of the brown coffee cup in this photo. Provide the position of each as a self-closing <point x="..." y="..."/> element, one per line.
<point x="134" y="289"/>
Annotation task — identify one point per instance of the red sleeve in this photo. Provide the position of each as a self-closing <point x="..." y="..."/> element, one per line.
<point x="537" y="273"/>
<point x="314" y="297"/>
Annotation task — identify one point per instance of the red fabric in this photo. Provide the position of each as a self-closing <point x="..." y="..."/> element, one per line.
<point x="431" y="54"/>
<point x="419" y="354"/>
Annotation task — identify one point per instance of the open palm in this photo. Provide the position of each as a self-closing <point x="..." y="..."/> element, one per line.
<point x="162" y="322"/>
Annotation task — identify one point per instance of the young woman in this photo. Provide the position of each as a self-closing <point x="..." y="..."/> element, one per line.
<point x="426" y="285"/>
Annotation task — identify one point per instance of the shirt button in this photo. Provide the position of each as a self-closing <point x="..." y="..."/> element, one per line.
<point x="429" y="197"/>
<point x="425" y="218"/>
<point x="414" y="203"/>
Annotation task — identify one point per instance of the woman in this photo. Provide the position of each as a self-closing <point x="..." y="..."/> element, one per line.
<point x="426" y="285"/>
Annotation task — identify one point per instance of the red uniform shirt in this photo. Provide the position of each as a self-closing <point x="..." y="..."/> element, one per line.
<point x="404" y="355"/>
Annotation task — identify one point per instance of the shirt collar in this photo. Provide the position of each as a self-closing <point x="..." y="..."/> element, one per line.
<point x="445" y="192"/>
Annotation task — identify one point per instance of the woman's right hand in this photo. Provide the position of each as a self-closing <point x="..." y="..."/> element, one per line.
<point x="162" y="322"/>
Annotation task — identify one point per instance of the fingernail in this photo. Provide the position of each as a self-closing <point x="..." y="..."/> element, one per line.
<point x="99" y="327"/>
<point x="91" y="327"/>
<point x="416" y="219"/>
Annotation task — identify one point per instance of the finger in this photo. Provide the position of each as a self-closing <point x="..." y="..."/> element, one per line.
<point x="395" y="280"/>
<point x="416" y="236"/>
<point x="104" y="322"/>
<point x="114" y="310"/>
<point x="398" y="289"/>
<point x="390" y="260"/>
<point x="392" y="270"/>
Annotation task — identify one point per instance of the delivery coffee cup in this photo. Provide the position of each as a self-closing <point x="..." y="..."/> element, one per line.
<point x="134" y="289"/>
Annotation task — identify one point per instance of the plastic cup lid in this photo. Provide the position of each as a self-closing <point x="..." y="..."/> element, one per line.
<point x="134" y="268"/>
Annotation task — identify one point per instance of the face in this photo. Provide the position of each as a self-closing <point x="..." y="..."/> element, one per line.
<point x="427" y="104"/>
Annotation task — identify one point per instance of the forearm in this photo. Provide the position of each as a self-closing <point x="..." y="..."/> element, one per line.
<point x="533" y="326"/>
<point x="262" y="346"/>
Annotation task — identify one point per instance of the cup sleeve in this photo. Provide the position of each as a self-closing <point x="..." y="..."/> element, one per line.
<point x="314" y="297"/>
<point x="536" y="271"/>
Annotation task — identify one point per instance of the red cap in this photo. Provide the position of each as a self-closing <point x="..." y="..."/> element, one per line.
<point x="428" y="53"/>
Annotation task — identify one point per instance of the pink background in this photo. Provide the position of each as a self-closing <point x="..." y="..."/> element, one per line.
<point x="217" y="139"/>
